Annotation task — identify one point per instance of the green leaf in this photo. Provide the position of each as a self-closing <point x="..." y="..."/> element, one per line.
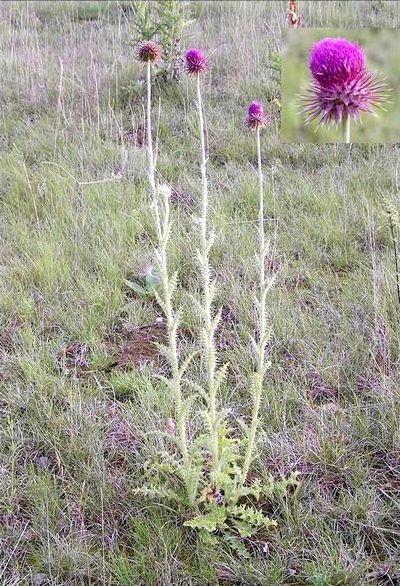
<point x="152" y="278"/>
<point x="211" y="521"/>
<point x="157" y="493"/>
<point x="236" y="545"/>
<point x="244" y="529"/>
<point x="253" y="490"/>
<point x="147" y="285"/>
<point x="251" y="516"/>
<point x="136" y="287"/>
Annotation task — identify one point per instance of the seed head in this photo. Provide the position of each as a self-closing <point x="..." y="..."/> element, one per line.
<point x="149" y="51"/>
<point x="341" y="84"/>
<point x="196" y="61"/>
<point x="256" y="117"/>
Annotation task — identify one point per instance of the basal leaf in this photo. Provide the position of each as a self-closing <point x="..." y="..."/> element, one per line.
<point x="211" y="521"/>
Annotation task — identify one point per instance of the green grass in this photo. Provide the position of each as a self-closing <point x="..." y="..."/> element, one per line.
<point x="75" y="222"/>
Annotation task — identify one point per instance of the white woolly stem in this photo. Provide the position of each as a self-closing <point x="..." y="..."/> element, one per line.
<point x="150" y="152"/>
<point x="163" y="226"/>
<point x="163" y="233"/>
<point x="262" y="319"/>
<point x="346" y="128"/>
<point x="208" y="329"/>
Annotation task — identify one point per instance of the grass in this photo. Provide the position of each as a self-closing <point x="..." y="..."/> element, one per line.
<point x="77" y="427"/>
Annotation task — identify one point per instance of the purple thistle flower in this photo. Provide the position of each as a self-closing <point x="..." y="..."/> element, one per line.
<point x="196" y="61"/>
<point x="335" y="61"/>
<point x="342" y="87"/>
<point x="256" y="117"/>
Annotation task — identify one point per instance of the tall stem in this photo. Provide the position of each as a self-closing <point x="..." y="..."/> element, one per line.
<point x="262" y="319"/>
<point x="209" y="327"/>
<point x="163" y="226"/>
<point x="346" y="128"/>
<point x="261" y="235"/>
<point x="149" y="133"/>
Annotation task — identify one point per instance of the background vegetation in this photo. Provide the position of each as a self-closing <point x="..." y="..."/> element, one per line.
<point x="381" y="47"/>
<point x="80" y="409"/>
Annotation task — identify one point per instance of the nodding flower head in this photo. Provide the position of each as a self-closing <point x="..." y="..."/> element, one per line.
<point x="149" y="51"/>
<point x="256" y="117"/>
<point x="196" y="61"/>
<point x="341" y="84"/>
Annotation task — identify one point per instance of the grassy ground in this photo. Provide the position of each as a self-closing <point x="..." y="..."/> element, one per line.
<point x="79" y="400"/>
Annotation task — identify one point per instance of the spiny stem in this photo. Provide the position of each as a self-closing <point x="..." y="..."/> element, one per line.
<point x="259" y="375"/>
<point x="208" y="330"/>
<point x="163" y="233"/>
<point x="346" y="128"/>
<point x="149" y="133"/>
<point x="163" y="226"/>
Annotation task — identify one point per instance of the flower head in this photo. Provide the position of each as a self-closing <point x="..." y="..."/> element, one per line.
<point x="341" y="85"/>
<point x="256" y="117"/>
<point x="196" y="61"/>
<point x="149" y="51"/>
<point x="335" y="61"/>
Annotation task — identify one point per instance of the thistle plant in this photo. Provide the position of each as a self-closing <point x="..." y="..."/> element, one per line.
<point x="257" y="119"/>
<point x="150" y="53"/>
<point x="342" y="88"/>
<point x="196" y="64"/>
<point x="218" y="498"/>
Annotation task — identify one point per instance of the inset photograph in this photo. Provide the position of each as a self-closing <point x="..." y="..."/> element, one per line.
<point x="340" y="85"/>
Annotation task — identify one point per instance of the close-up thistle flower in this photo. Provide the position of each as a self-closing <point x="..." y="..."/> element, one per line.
<point x="195" y="61"/>
<point x="342" y="88"/>
<point x="149" y="51"/>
